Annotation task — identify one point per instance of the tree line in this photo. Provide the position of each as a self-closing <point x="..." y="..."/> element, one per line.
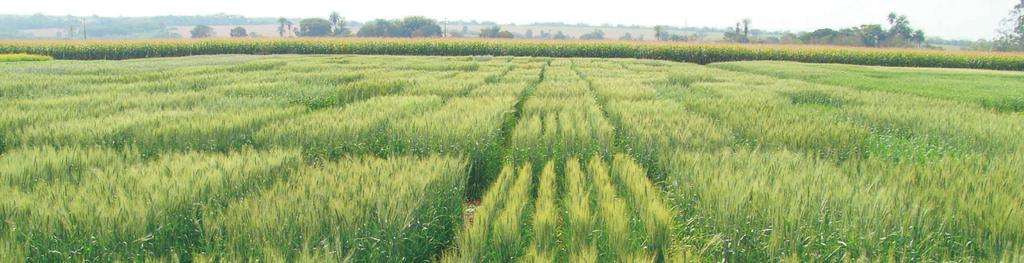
<point x="897" y="32"/>
<point x="1011" y="33"/>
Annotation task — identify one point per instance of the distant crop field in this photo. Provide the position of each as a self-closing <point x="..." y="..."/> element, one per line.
<point x="692" y="53"/>
<point x="499" y="159"/>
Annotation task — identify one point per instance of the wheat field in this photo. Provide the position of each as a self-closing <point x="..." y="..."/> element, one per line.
<point x="499" y="159"/>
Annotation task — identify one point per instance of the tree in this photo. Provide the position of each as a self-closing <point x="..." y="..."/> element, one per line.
<point x="1011" y="35"/>
<point x="378" y="28"/>
<point x="596" y="35"/>
<point x="740" y="33"/>
<point x="820" y="36"/>
<point x="239" y="32"/>
<point x="291" y="30"/>
<point x="901" y="33"/>
<point x="202" y="31"/>
<point x="790" y="39"/>
<point x="899" y="27"/>
<point x="560" y="35"/>
<point x="334" y="17"/>
<point x="338" y="25"/>
<point x="342" y="29"/>
<point x="494" y="32"/>
<point x="699" y="36"/>
<point x="529" y="33"/>
<point x="872" y="35"/>
<point x="314" y="27"/>
<point x="626" y="37"/>
<point x="660" y="33"/>
<point x="418" y="26"/>
<point x="918" y="37"/>
<point x="413" y="26"/>
<point x="284" y="26"/>
<point x="735" y="34"/>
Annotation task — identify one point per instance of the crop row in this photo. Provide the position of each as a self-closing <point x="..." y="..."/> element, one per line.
<point x="694" y="53"/>
<point x="592" y="212"/>
<point x="560" y="119"/>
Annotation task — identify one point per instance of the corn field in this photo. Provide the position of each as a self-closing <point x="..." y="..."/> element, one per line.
<point x="692" y="53"/>
<point x="526" y="158"/>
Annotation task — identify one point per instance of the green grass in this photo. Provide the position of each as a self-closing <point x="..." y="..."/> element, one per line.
<point x="461" y="159"/>
<point x="997" y="90"/>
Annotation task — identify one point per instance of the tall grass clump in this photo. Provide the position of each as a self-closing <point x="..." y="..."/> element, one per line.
<point x="595" y="218"/>
<point x="613" y="217"/>
<point x="645" y="199"/>
<point x="580" y="220"/>
<point x="470" y="242"/>
<point x="546" y="218"/>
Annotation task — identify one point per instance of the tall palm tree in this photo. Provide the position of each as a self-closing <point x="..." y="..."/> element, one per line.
<point x="892" y="18"/>
<point x="335" y="18"/>
<point x="283" y="26"/>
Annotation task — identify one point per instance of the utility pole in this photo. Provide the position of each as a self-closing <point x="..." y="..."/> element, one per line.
<point x="445" y="34"/>
<point x="85" y="33"/>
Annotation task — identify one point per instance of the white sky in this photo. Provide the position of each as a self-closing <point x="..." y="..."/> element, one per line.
<point x="968" y="19"/>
